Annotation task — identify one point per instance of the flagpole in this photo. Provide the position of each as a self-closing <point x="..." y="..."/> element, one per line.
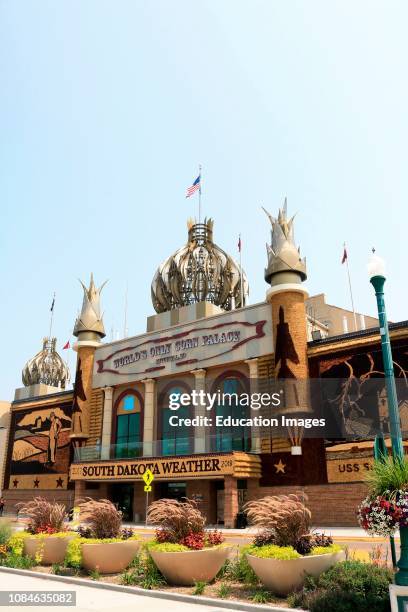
<point x="125" y="317"/>
<point x="240" y="272"/>
<point x="199" y="196"/>
<point x="52" y="315"/>
<point x="351" y="291"/>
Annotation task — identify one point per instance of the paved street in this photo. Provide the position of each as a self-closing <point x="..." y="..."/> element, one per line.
<point x="89" y="598"/>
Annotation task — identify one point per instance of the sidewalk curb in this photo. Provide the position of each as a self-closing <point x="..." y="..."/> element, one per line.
<point x="192" y="599"/>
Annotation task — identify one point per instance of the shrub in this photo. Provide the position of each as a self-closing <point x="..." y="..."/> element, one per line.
<point x="326" y="550"/>
<point x="271" y="551"/>
<point x="320" y="539"/>
<point x="73" y="555"/>
<point x="194" y="541"/>
<point x="5" y="532"/>
<point x="346" y="587"/>
<point x="261" y="596"/>
<point x="44" y="516"/>
<point x="224" y="591"/>
<point x="95" y="574"/>
<point x="17" y="561"/>
<point x="176" y="519"/>
<point x="164" y="536"/>
<point x="166" y="547"/>
<point x="214" y="538"/>
<point x="239" y="570"/>
<point x="285" y="515"/>
<point x="266" y="536"/>
<point x="199" y="588"/>
<point x="127" y="532"/>
<point x="84" y="531"/>
<point x="16" y="542"/>
<point x="304" y="545"/>
<point x="103" y="519"/>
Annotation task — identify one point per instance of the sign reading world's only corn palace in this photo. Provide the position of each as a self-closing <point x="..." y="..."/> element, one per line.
<point x="216" y="340"/>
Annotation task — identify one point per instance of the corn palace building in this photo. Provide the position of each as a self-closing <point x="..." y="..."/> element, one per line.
<point x="99" y="438"/>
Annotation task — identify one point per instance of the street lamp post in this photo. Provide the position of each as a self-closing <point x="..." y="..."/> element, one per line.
<point x="376" y="269"/>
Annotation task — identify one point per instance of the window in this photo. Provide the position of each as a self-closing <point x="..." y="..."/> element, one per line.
<point x="128" y="442"/>
<point x="229" y="438"/>
<point x="175" y="440"/>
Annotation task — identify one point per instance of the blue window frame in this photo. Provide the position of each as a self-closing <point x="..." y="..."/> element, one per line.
<point x="175" y="440"/>
<point x="128" y="430"/>
<point x="229" y="438"/>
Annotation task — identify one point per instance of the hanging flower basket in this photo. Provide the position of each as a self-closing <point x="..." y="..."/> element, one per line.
<point x="384" y="514"/>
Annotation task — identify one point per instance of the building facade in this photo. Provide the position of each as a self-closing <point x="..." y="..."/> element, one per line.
<point x="99" y="439"/>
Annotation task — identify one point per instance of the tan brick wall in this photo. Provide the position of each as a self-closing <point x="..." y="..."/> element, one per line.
<point x="331" y="504"/>
<point x="208" y="504"/>
<point x="293" y="303"/>
<point x="95" y="417"/>
<point x="139" y="500"/>
<point x="231" y="501"/>
<point x="86" y="356"/>
<point x="13" y="497"/>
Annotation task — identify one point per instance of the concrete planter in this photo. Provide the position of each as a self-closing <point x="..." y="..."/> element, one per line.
<point x="109" y="557"/>
<point x="188" y="567"/>
<point x="51" y="548"/>
<point x="284" y="576"/>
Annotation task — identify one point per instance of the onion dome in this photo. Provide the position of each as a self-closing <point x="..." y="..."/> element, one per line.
<point x="46" y="367"/>
<point x="199" y="271"/>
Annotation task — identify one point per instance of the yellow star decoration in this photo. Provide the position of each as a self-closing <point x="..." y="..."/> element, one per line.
<point x="280" y="467"/>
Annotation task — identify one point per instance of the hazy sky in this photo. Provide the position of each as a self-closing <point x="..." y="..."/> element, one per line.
<point x="107" y="108"/>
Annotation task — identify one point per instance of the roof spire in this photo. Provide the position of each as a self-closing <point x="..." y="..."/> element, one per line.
<point x="90" y="319"/>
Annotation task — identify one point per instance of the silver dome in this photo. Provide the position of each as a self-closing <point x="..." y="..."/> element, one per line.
<point x="199" y="271"/>
<point x="46" y="367"/>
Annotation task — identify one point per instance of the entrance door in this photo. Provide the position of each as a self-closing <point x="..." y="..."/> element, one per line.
<point x="122" y="496"/>
<point x="173" y="490"/>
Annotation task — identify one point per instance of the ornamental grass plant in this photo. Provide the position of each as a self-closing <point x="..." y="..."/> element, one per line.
<point x="388" y="476"/>
<point x="103" y="519"/>
<point x="176" y="519"/>
<point x="284" y="517"/>
<point x="44" y="516"/>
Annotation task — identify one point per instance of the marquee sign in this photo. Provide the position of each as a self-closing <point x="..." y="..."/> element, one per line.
<point x="170" y="468"/>
<point x="228" y="337"/>
<point x="349" y="470"/>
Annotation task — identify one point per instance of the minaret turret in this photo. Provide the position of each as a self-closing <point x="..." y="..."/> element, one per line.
<point x="285" y="272"/>
<point x="89" y="330"/>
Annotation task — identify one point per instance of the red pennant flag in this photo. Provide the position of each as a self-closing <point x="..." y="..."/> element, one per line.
<point x="239" y="243"/>
<point x="344" y="256"/>
<point x="66" y="346"/>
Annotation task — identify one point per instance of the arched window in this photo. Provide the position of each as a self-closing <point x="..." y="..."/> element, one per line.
<point x="128" y="430"/>
<point x="176" y="440"/>
<point x="232" y="437"/>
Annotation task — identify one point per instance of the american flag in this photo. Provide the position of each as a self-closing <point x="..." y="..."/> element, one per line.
<point x="196" y="186"/>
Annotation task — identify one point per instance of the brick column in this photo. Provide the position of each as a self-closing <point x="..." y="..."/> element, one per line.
<point x="230" y="501"/>
<point x="148" y="417"/>
<point x="79" y="491"/>
<point x="103" y="490"/>
<point x="253" y="388"/>
<point x="253" y="491"/>
<point x="199" y="432"/>
<point x="81" y="410"/>
<point x="107" y="423"/>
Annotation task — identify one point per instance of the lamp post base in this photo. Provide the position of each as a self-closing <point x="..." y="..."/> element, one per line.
<point x="401" y="577"/>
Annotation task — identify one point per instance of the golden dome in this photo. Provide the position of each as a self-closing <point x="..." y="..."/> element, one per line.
<point x="199" y="271"/>
<point x="46" y="367"/>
